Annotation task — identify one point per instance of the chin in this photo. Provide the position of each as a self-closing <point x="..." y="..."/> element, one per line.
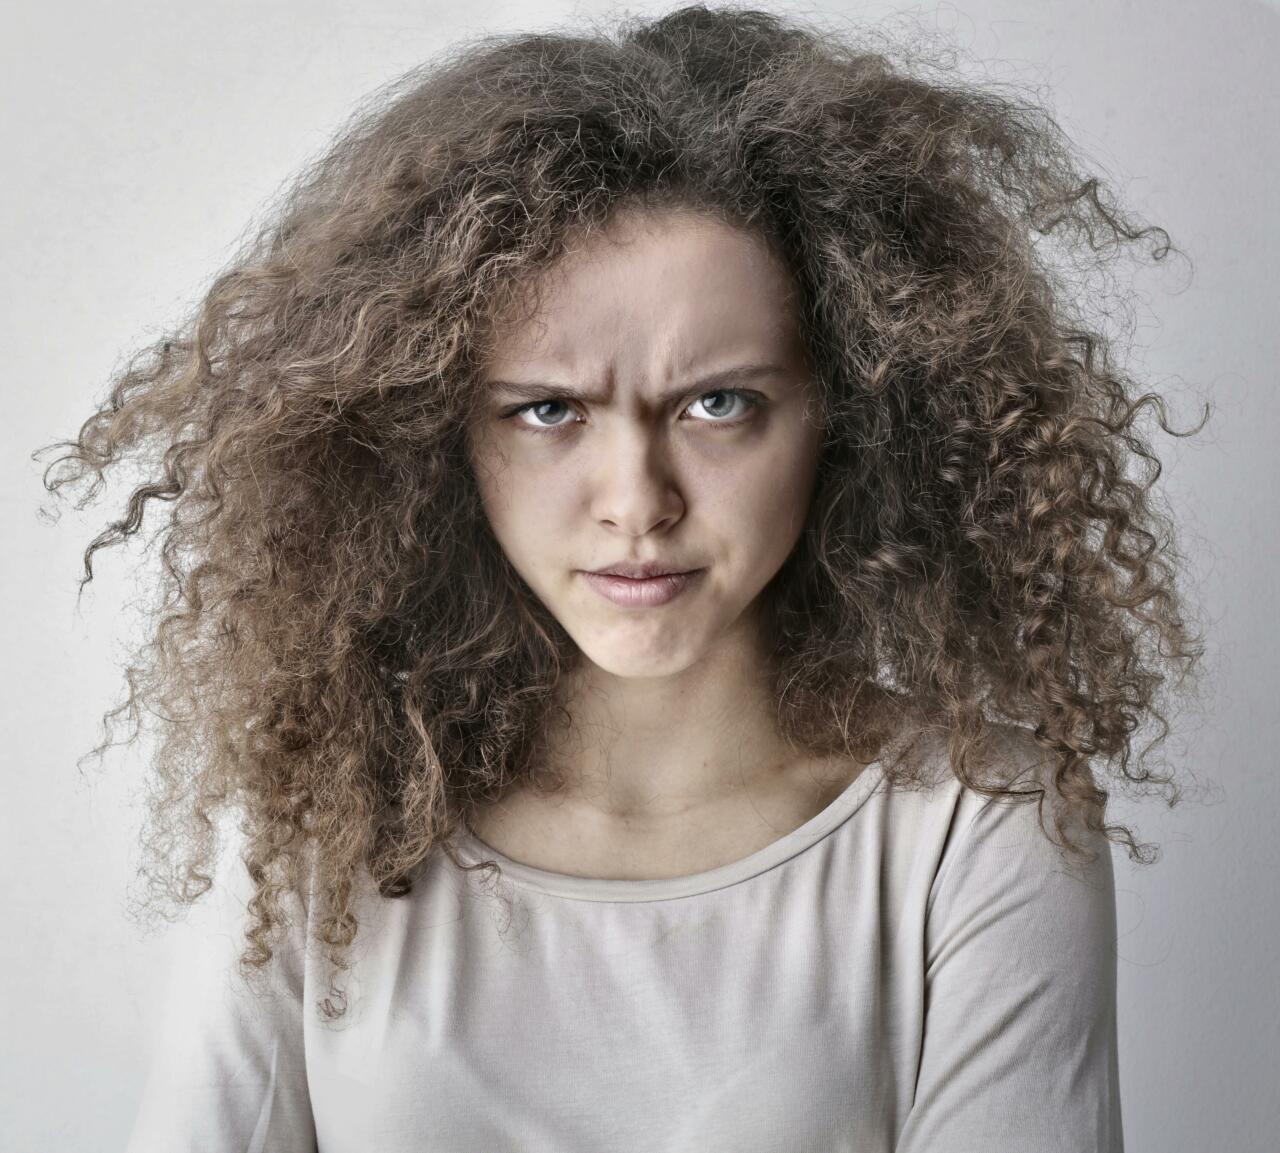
<point x="621" y="661"/>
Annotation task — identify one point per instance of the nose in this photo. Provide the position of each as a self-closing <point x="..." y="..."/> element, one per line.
<point x="635" y="486"/>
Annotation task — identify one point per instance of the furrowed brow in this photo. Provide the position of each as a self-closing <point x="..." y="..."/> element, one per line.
<point x="725" y="378"/>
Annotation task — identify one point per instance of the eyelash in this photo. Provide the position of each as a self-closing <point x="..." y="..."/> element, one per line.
<point x="753" y="401"/>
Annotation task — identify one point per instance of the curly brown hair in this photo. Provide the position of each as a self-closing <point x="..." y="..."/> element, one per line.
<point x="343" y="656"/>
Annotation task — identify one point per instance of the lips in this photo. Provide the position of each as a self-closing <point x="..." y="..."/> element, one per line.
<point x="645" y="592"/>
<point x="642" y="570"/>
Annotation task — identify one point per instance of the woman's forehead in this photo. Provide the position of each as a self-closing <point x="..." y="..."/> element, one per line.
<point x="672" y="299"/>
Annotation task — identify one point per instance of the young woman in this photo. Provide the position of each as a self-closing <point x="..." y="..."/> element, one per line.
<point x="655" y="579"/>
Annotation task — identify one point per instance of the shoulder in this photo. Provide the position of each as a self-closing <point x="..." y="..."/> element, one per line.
<point x="966" y="841"/>
<point x="1019" y="819"/>
<point x="1019" y="974"/>
<point x="1001" y="860"/>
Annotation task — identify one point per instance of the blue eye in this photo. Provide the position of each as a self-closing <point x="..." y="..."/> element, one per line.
<point x="749" y="403"/>
<point x="532" y="405"/>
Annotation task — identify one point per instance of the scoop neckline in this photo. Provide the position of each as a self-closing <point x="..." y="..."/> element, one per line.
<point x="789" y="845"/>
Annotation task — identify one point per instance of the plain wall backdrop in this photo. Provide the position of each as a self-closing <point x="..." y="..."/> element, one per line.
<point x="140" y="140"/>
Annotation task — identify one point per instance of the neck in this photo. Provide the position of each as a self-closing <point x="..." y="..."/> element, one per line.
<point x="648" y="750"/>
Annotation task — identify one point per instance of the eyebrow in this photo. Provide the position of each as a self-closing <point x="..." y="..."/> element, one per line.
<point x="532" y="390"/>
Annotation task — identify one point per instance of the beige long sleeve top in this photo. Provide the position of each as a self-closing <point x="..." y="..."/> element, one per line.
<point x="917" y="970"/>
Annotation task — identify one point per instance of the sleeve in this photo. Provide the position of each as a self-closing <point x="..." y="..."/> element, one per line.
<point x="227" y="1072"/>
<point x="1019" y="1053"/>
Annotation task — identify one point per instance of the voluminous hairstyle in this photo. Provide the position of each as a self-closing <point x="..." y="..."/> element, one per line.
<point x="343" y="656"/>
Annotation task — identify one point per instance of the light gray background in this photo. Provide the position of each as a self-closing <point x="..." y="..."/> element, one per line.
<point x="139" y="140"/>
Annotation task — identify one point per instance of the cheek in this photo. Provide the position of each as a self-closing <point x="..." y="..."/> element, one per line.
<point x="494" y="489"/>
<point x="777" y="495"/>
<point x="495" y="478"/>
<point x="526" y="508"/>
<point x="755" y="522"/>
<point x="781" y="514"/>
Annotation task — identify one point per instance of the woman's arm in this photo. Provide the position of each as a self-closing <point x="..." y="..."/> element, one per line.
<point x="1019" y="1052"/>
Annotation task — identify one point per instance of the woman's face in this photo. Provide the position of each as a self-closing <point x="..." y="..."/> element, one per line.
<point x="651" y="461"/>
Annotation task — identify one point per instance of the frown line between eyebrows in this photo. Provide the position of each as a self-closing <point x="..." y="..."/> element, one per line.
<point x="534" y="390"/>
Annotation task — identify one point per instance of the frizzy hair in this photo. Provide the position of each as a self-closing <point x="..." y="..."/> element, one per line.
<point x="343" y="657"/>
